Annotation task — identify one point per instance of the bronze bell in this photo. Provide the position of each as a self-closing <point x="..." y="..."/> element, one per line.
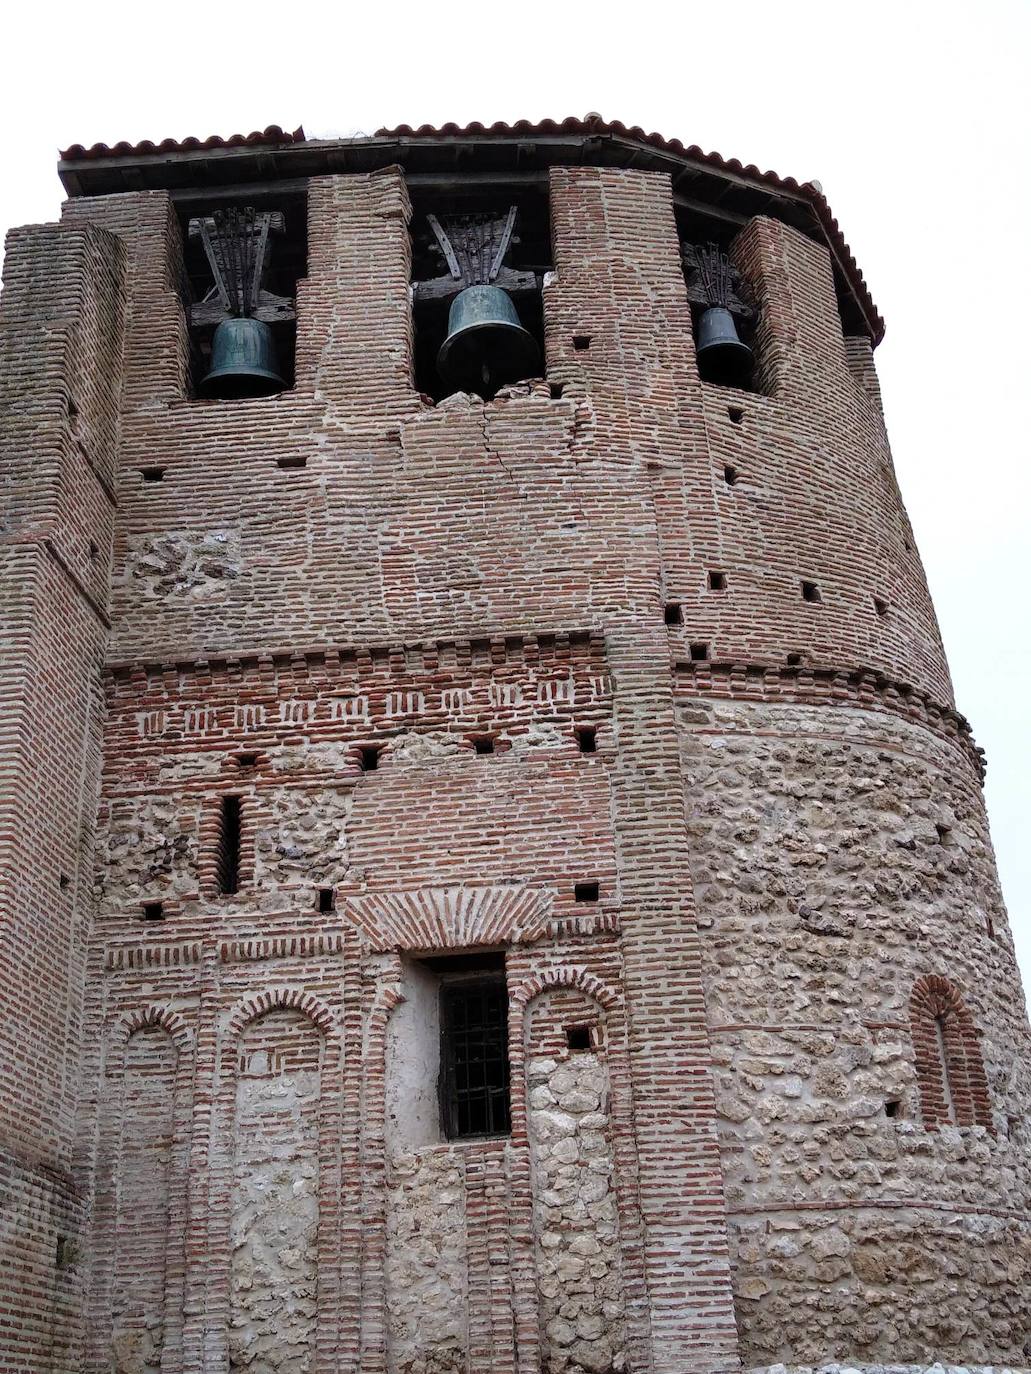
<point x="722" y="357"/>
<point x="486" y="346"/>
<point x="243" y="361"/>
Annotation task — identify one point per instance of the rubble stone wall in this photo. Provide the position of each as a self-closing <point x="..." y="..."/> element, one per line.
<point x="840" y="858"/>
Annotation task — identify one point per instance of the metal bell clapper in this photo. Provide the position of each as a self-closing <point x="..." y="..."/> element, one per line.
<point x="486" y="346"/>
<point x="243" y="361"/>
<point x="722" y="357"/>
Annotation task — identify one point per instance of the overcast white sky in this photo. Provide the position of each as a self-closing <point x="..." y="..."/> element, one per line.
<point x="915" y="117"/>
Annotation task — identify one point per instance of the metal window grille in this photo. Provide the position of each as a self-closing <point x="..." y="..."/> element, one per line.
<point x="474" y="1058"/>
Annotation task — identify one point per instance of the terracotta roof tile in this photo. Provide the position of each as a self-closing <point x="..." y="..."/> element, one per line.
<point x="272" y="135"/>
<point x="595" y="124"/>
<point x="524" y="128"/>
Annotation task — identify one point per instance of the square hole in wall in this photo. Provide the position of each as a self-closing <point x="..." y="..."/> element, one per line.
<point x="794" y="660"/>
<point x="589" y="891"/>
<point x="674" y="613"/>
<point x="730" y="475"/>
<point x="245" y="760"/>
<point x="735" y="414"/>
<point x="153" y="474"/>
<point x="587" y="738"/>
<point x="811" y="592"/>
<point x="153" y="911"/>
<point x="581" y="342"/>
<point x="327" y="900"/>
<point x="717" y="582"/>
<point x="880" y="605"/>
<point x="368" y="758"/>
<point x="893" y="1107"/>
<point x="578" y="1038"/>
<point x="292" y="462"/>
<point x="699" y="653"/>
<point x="483" y="744"/>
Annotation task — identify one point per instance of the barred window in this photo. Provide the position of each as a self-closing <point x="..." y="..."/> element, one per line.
<point x="474" y="1079"/>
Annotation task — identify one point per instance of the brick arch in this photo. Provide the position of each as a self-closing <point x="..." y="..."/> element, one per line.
<point x="947" y="1053"/>
<point x="565" y="976"/>
<point x="455" y="917"/>
<point x="280" y="999"/>
<point x="141" y="1018"/>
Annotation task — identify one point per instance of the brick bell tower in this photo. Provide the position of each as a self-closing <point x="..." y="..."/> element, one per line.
<point x="493" y="878"/>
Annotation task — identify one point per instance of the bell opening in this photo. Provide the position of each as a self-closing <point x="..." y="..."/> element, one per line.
<point x="284" y="264"/>
<point x="474" y="359"/>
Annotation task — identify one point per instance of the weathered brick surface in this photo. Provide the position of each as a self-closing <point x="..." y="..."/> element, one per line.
<point x="787" y="833"/>
<point x="60" y="341"/>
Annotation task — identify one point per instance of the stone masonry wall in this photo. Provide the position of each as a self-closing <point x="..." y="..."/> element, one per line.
<point x="576" y="1222"/>
<point x="273" y="1229"/>
<point x="345" y="575"/>
<point x="839" y="857"/>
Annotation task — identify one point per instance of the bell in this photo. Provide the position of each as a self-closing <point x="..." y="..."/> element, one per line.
<point x="486" y="345"/>
<point x="722" y="357"/>
<point x="243" y="361"/>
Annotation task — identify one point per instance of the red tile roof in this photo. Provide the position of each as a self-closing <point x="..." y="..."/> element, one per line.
<point x="272" y="135"/>
<point x="591" y="124"/>
<point x="595" y="124"/>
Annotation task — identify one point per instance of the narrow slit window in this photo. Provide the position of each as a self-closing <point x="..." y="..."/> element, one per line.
<point x="730" y="475"/>
<point x="229" y="846"/>
<point x="474" y="1058"/>
<point x="327" y="900"/>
